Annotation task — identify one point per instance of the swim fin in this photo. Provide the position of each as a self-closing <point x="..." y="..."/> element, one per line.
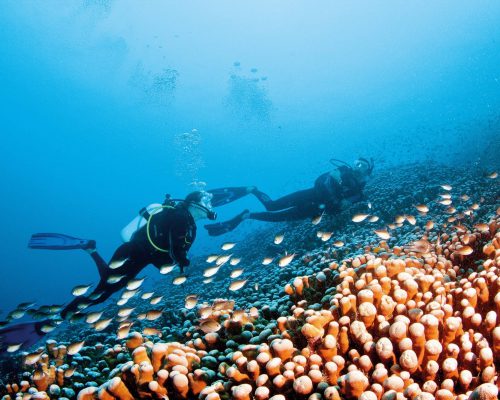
<point x="58" y="241"/>
<point x="223" y="227"/>
<point x="228" y="195"/>
<point x="22" y="335"/>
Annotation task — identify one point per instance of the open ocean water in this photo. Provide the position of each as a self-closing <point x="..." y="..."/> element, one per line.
<point x="107" y="106"/>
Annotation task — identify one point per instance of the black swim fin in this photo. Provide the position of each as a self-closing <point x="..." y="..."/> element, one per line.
<point x="59" y="241"/>
<point x="227" y="195"/>
<point x="223" y="227"/>
<point x="23" y="335"/>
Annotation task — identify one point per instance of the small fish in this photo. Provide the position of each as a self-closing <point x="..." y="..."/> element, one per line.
<point x="475" y="206"/>
<point x="465" y="251"/>
<point x="74" y="348"/>
<point x="325" y="236"/>
<point x="128" y="294"/>
<point x="360" y="217"/>
<point x="373" y="218"/>
<point x="237" y="285"/>
<point x="115" y="278"/>
<point x="210" y="326"/>
<point x="134" y="284"/>
<point x="208" y="280"/>
<point x="445" y="202"/>
<point x="256" y="286"/>
<point x="464" y="197"/>
<point x="190" y="302"/>
<point x="211" y="258"/>
<point x="228" y="246"/>
<point x="369" y="205"/>
<point x="383" y="234"/>
<point x="451" y="210"/>
<point x="117" y="264"/>
<point x="446" y="187"/>
<point x="93" y="317"/>
<point x="338" y="243"/>
<point x="123" y="330"/>
<point x="80" y="290"/>
<point x="411" y="219"/>
<point x="493" y="175"/>
<point x="318" y="234"/>
<point x="147" y="295"/>
<point x="429" y="225"/>
<point x="211" y="271"/>
<point x="69" y="372"/>
<point x="156" y="300"/>
<point x="205" y="312"/>
<point x="460" y="228"/>
<point x="267" y="261"/>
<point x="151" y="315"/>
<point x="14" y="347"/>
<point x="222" y="304"/>
<point x="179" y="280"/>
<point x="83" y="305"/>
<point x="165" y="269"/>
<point x="278" y="239"/>
<point x="16" y="314"/>
<point x="420" y="246"/>
<point x="221" y="260"/>
<point x="95" y="296"/>
<point x="392" y="226"/>
<point x="234" y="261"/>
<point x="102" y="324"/>
<point x="286" y="259"/>
<point x="482" y="227"/>
<point x="399" y="219"/>
<point x="25" y="306"/>
<point x="121" y="302"/>
<point x="125" y="312"/>
<point x="445" y="196"/>
<point x="317" y="220"/>
<point x="32" y="358"/>
<point x="47" y="328"/>
<point x="151" y="332"/>
<point x="236" y="272"/>
<point x="422" y="208"/>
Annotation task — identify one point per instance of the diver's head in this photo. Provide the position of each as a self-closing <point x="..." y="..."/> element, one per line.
<point x="199" y="205"/>
<point x="363" y="168"/>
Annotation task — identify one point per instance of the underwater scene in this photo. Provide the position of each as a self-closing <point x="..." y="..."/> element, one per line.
<point x="263" y="200"/>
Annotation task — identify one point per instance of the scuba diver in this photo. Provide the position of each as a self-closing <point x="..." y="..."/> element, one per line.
<point x="332" y="192"/>
<point x="161" y="234"/>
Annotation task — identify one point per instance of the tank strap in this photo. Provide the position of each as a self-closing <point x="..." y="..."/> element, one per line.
<point x="143" y="212"/>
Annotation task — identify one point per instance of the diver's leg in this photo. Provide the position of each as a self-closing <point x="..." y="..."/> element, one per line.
<point x="122" y="253"/>
<point x="219" y="228"/>
<point x="289" y="214"/>
<point x="104" y="290"/>
<point x="295" y="199"/>
<point x="102" y="266"/>
<point x="227" y="195"/>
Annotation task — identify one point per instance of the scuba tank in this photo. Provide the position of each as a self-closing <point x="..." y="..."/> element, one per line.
<point x="139" y="221"/>
<point x="144" y="217"/>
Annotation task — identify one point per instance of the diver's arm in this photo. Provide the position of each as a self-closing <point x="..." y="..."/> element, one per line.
<point x="181" y="240"/>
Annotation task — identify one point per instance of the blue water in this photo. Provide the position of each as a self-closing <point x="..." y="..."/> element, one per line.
<point x="99" y="98"/>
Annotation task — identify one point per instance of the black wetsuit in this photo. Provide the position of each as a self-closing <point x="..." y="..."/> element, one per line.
<point x="173" y="230"/>
<point x="326" y="195"/>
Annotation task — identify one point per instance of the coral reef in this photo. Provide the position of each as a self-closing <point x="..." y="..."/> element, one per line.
<point x="415" y="316"/>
